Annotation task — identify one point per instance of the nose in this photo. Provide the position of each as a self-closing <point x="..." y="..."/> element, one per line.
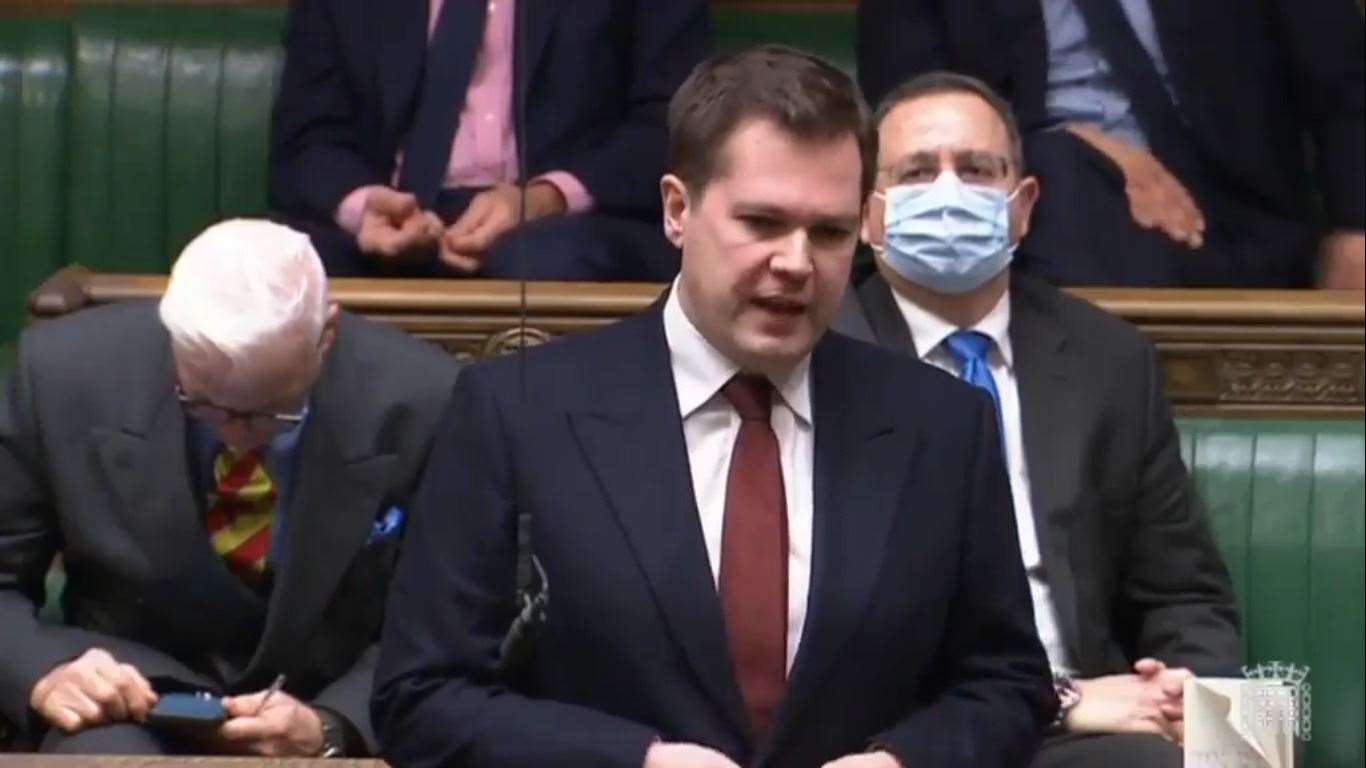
<point x="239" y="434"/>
<point x="793" y="257"/>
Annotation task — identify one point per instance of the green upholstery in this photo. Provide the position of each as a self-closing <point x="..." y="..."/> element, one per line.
<point x="131" y="126"/>
<point x="828" y="32"/>
<point x="170" y="116"/>
<point x="33" y="150"/>
<point x="1286" y="506"/>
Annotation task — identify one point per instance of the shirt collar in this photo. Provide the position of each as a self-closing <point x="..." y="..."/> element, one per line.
<point x="929" y="330"/>
<point x="700" y="370"/>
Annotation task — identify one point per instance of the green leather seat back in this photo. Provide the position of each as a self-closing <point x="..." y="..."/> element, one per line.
<point x="170" y="121"/>
<point x="1286" y="506"/>
<point x="33" y="152"/>
<point x="828" y="32"/>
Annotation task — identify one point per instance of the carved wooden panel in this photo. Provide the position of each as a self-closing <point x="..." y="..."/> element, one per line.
<point x="1285" y="353"/>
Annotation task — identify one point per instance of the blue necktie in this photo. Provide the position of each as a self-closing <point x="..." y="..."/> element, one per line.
<point x="450" y="61"/>
<point x="969" y="350"/>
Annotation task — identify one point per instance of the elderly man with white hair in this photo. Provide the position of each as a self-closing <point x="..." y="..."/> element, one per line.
<point x="225" y="478"/>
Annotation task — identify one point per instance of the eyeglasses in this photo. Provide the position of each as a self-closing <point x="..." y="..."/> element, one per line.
<point x="217" y="415"/>
<point x="972" y="166"/>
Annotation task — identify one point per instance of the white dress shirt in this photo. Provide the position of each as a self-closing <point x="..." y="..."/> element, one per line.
<point x="710" y="426"/>
<point x="929" y="331"/>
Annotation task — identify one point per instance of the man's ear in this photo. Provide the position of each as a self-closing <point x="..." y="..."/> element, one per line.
<point x="329" y="329"/>
<point x="1022" y="208"/>
<point x="865" y="231"/>
<point x="676" y="204"/>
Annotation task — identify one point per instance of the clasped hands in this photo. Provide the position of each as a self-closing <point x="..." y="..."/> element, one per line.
<point x="1147" y="701"/>
<point x="395" y="229"/>
<point x="95" y="689"/>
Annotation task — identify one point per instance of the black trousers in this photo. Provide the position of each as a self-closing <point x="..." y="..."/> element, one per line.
<point x="119" y="739"/>
<point x="584" y="247"/>
<point x="1082" y="232"/>
<point x="1111" y="750"/>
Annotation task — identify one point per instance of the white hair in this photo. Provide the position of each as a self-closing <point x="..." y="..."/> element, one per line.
<point x="245" y="291"/>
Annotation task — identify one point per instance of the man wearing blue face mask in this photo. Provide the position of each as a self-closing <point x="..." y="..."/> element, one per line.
<point x="1129" y="595"/>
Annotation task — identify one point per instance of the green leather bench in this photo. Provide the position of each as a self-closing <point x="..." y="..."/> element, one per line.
<point x="134" y="126"/>
<point x="34" y="74"/>
<point x="1285" y="500"/>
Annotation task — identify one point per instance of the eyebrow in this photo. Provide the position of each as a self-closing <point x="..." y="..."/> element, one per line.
<point x="849" y="221"/>
<point x="922" y="156"/>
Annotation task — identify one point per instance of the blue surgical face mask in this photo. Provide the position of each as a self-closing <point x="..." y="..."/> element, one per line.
<point x="948" y="236"/>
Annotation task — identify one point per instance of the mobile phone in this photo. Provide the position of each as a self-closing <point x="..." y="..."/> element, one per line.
<point x="187" y="712"/>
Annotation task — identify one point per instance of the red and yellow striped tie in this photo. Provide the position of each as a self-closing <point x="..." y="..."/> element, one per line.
<point x="241" y="506"/>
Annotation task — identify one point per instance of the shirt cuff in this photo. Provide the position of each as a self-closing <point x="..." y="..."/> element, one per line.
<point x="576" y="195"/>
<point x="352" y="208"/>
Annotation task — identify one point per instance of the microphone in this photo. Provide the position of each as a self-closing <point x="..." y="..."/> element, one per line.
<point x="533" y="586"/>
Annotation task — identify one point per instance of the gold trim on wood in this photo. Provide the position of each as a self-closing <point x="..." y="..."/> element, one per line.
<point x="1224" y="352"/>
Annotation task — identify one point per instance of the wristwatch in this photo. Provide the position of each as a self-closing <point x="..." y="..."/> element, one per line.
<point x="1068" y="693"/>
<point x="334" y="734"/>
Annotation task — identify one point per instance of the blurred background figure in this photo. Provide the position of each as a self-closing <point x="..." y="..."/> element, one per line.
<point x="1176" y="143"/>
<point x="395" y="135"/>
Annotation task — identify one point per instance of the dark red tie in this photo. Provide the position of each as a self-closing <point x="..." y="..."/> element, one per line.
<point x="753" y="580"/>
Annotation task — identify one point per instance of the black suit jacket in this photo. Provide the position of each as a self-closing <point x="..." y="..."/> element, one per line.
<point x="919" y="634"/>
<point x="601" y="73"/>
<point x="1123" y="536"/>
<point x="94" y="466"/>
<point x="1254" y="79"/>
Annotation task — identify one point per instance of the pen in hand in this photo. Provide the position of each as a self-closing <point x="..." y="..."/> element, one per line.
<point x="275" y="686"/>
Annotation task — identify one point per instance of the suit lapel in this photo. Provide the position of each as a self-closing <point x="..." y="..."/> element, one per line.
<point x="633" y="440"/>
<point x="1049" y="391"/>
<point x="146" y="464"/>
<point x="882" y="313"/>
<point x="861" y="461"/>
<point x="400" y="37"/>
<point x="341" y="484"/>
<point x="539" y="17"/>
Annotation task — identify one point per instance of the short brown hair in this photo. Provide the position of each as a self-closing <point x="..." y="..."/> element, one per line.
<point x="807" y="96"/>
<point x="935" y="83"/>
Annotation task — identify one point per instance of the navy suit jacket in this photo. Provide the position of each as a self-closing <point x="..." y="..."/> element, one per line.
<point x="919" y="634"/>
<point x="601" y="76"/>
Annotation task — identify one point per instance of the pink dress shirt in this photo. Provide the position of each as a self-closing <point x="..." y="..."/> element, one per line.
<point x="484" y="151"/>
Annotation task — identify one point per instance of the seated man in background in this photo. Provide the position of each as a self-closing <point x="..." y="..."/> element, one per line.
<point x="1129" y="593"/>
<point x="1169" y="136"/>
<point x="395" y="144"/>
<point x="765" y="545"/>
<point x="225" y="480"/>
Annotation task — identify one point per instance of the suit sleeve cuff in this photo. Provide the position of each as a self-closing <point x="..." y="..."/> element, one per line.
<point x="576" y="195"/>
<point x="352" y="207"/>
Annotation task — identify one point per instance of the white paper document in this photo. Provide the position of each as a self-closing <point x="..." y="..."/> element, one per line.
<point x="1233" y="723"/>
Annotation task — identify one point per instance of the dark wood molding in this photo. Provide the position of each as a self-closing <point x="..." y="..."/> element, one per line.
<point x="1224" y="352"/>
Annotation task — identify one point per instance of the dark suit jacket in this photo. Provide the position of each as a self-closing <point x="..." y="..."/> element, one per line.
<point x="601" y="75"/>
<point x="1254" y="78"/>
<point x="919" y="634"/>
<point x="1123" y="536"/>
<point x="93" y="464"/>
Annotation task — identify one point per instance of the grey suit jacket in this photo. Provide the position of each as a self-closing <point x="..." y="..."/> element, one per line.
<point x="94" y="466"/>
<point x="1123" y="536"/>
